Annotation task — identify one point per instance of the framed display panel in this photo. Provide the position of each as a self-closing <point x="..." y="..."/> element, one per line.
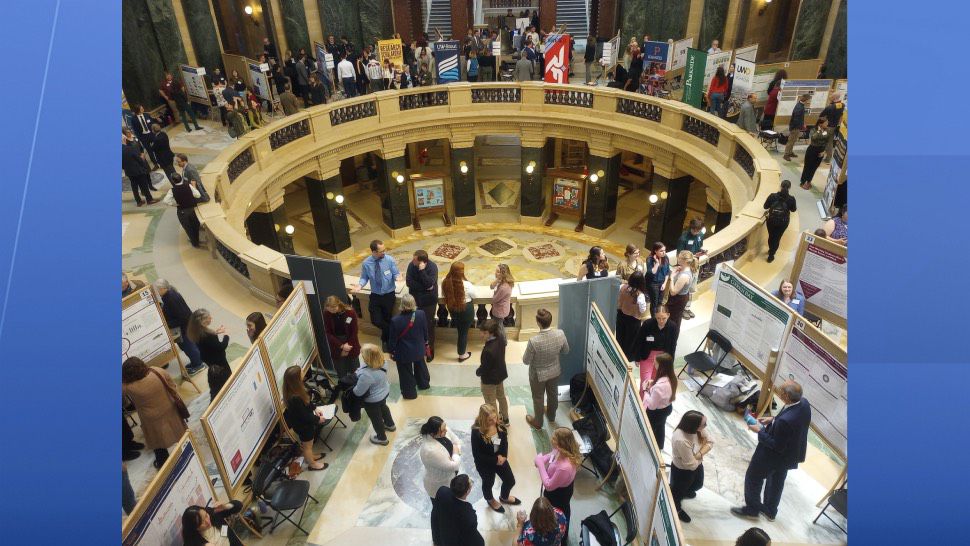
<point x="145" y="334"/>
<point x="665" y="528"/>
<point x="715" y="60"/>
<point x="567" y="196"/>
<point x="260" y="82"/>
<point x="639" y="456"/>
<point x="819" y="365"/>
<point x="678" y="58"/>
<point x="240" y="420"/>
<point x="429" y="195"/>
<point x="839" y="165"/>
<point x="606" y="366"/>
<point x="821" y="272"/>
<point x="753" y="320"/>
<point x="792" y="89"/>
<point x="181" y="482"/>
<point x="195" y="87"/>
<point x="289" y="337"/>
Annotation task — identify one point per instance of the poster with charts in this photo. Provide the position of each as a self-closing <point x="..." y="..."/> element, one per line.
<point x="606" y="365"/>
<point x="819" y="366"/>
<point x="715" y="60"/>
<point x="639" y="458"/>
<point x="240" y="419"/>
<point x="289" y="337"/>
<point x="821" y="272"/>
<point x="678" y="59"/>
<point x="144" y="333"/>
<point x="792" y="89"/>
<point x="750" y="318"/>
<point x="195" y="87"/>
<point x="665" y="530"/>
<point x="260" y="82"/>
<point x="182" y="482"/>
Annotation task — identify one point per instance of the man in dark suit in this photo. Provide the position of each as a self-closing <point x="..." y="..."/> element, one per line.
<point x="453" y="519"/>
<point x="782" y="443"/>
<point x="135" y="166"/>
<point x="422" y="281"/>
<point x="163" y="150"/>
<point x="191" y="175"/>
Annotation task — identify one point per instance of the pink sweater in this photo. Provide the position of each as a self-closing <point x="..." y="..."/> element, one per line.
<point x="658" y="395"/>
<point x="502" y="301"/>
<point x="553" y="471"/>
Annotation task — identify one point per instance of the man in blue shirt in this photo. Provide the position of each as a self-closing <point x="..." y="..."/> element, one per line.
<point x="692" y="240"/>
<point x="381" y="272"/>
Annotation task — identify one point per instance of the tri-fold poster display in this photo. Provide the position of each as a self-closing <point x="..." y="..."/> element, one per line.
<point x="289" y="338"/>
<point x="821" y="273"/>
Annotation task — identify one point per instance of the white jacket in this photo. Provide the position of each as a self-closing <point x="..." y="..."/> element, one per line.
<point x="439" y="468"/>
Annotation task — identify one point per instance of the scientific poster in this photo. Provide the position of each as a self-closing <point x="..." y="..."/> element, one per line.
<point x="260" y="82"/>
<point x="823" y="276"/>
<point x="567" y="195"/>
<point x="792" y="89"/>
<point x="144" y="333"/>
<point x="746" y="53"/>
<point x="195" y="87"/>
<point x="289" y="338"/>
<point x="678" y="59"/>
<point x="429" y="194"/>
<point x="638" y="457"/>
<point x="606" y="365"/>
<point x="664" y="530"/>
<point x="713" y="61"/>
<point x="819" y="366"/>
<point x="446" y="59"/>
<point x="748" y="316"/>
<point x="242" y="417"/>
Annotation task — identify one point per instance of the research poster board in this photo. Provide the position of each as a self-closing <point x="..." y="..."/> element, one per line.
<point x="818" y="364"/>
<point x="639" y="457"/>
<point x="429" y="195"/>
<point x="144" y="333"/>
<point x="391" y="49"/>
<point x="821" y="273"/>
<point x="715" y="60"/>
<point x="567" y="196"/>
<point x="257" y="74"/>
<point x="241" y="418"/>
<point x="181" y="482"/>
<point x="288" y="337"/>
<point x="678" y="59"/>
<point x="665" y="530"/>
<point x="746" y="53"/>
<point x="754" y="321"/>
<point x="792" y="89"/>
<point x="606" y="365"/>
<point x="195" y="87"/>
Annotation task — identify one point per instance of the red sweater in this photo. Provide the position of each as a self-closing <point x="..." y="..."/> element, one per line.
<point x="350" y="328"/>
<point x="772" y="105"/>
<point x="716" y="87"/>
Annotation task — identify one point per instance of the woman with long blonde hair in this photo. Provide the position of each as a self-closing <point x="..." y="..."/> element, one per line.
<point x="459" y="294"/>
<point x="557" y="469"/>
<point x="678" y="285"/>
<point x="502" y="297"/>
<point x="490" y="449"/>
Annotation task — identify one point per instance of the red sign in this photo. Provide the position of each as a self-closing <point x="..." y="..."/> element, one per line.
<point x="556" y="56"/>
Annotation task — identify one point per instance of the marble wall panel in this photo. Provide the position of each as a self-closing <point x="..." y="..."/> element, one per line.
<point x="342" y="18"/>
<point x="294" y="25"/>
<point x="712" y="22"/>
<point x="375" y="20"/>
<point x="166" y="32"/>
<point x="837" y="59"/>
<point x="661" y="19"/>
<point x="202" y="31"/>
<point x="810" y="28"/>
<point x="142" y="66"/>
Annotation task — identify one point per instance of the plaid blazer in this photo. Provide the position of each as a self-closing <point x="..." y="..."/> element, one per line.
<point x="542" y="354"/>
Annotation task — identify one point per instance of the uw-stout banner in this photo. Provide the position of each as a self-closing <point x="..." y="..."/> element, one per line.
<point x="391" y="49"/>
<point x="195" y="88"/>
<point x="446" y="59"/>
<point x="678" y="59"/>
<point x="694" y="77"/>
<point x="557" y="62"/>
<point x="655" y="52"/>
<point x="713" y="61"/>
<point x="260" y="82"/>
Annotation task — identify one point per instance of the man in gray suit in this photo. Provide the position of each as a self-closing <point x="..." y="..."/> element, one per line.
<point x="523" y="68"/>
<point x="191" y="175"/>
<point x="542" y="358"/>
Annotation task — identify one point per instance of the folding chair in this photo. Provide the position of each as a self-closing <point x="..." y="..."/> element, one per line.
<point x="322" y="394"/>
<point x="587" y="539"/>
<point x="284" y="496"/>
<point x="331" y="420"/>
<point x="839" y="499"/>
<point x="702" y="360"/>
<point x="589" y="443"/>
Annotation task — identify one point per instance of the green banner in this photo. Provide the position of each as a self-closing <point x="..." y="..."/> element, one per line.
<point x="694" y="77"/>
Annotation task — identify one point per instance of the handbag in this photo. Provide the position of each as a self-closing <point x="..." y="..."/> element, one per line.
<point x="427" y="348"/>
<point x="177" y="401"/>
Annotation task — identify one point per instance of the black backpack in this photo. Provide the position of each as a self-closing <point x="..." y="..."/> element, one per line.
<point x="778" y="213"/>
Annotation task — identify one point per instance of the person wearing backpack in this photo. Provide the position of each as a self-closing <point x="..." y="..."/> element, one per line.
<point x="779" y="205"/>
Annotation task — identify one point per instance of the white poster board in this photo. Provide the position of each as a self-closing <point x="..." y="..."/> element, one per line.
<point x="195" y="87"/>
<point x="713" y="61"/>
<point x="260" y="82"/>
<point x="750" y="318"/>
<point x="606" y="365"/>
<point x="639" y="459"/>
<point x="746" y="53"/>
<point x="792" y="89"/>
<point x="665" y="530"/>
<point x="144" y="333"/>
<point x="289" y="338"/>
<point x="743" y="82"/>
<point x="241" y="418"/>
<point x="821" y="273"/>
<point x="181" y="482"/>
<point x="678" y="57"/>
<point x="819" y="366"/>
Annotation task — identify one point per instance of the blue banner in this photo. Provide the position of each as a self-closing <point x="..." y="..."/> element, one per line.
<point x="446" y="59"/>
<point x="655" y="52"/>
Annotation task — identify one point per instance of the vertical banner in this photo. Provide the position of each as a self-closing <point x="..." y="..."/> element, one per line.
<point x="713" y="61"/>
<point x="195" y="87"/>
<point x="260" y="82"/>
<point x="324" y="61"/>
<point x="743" y="83"/>
<point x="746" y="53"/>
<point x="678" y="59"/>
<point x="446" y="59"/>
<point x="557" y="61"/>
<point x="391" y="49"/>
<point x="656" y="54"/>
<point x="694" y="77"/>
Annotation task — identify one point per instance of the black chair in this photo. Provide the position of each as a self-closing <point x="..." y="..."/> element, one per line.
<point x="703" y="361"/>
<point x="631" y="526"/>
<point x="283" y="495"/>
<point x="589" y="441"/>
<point x="839" y="499"/>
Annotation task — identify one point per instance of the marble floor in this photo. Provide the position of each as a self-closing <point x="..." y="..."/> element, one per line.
<point x="360" y="500"/>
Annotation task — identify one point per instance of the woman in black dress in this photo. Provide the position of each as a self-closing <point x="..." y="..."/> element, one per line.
<point x="490" y="449"/>
<point x="595" y="266"/>
<point x="300" y="415"/>
<point x="212" y="350"/>
<point x="817" y="139"/>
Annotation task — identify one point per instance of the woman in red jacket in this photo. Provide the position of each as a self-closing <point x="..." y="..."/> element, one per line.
<point x="768" y="117"/>
<point x="340" y="322"/>
<point x="717" y="91"/>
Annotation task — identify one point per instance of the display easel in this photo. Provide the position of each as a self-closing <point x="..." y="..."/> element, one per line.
<point x="827" y="246"/>
<point x="172" y="352"/>
<point x="428" y="196"/>
<point x="568" y="196"/>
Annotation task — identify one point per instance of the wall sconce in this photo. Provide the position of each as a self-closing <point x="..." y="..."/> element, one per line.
<point x="713" y="229"/>
<point x="594" y="178"/>
<point x="531" y="167"/>
<point x="289" y="229"/>
<point x="338" y="211"/>
<point x="463" y="167"/>
<point x="653" y="198"/>
<point x="763" y="8"/>
<point x="249" y="12"/>
<point x="398" y="177"/>
<point x="329" y="196"/>
<point x="339" y="199"/>
<point x="600" y="173"/>
<point x="277" y="226"/>
<point x="704" y="230"/>
<point x="663" y="195"/>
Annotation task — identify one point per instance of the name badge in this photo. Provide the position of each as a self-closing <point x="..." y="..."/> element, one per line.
<point x="496" y="440"/>
<point x="387" y="273"/>
<point x="348" y="320"/>
<point x="794" y="302"/>
<point x="649" y="338"/>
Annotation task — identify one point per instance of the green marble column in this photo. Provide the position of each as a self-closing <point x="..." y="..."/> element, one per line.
<point x="661" y="19"/>
<point x="375" y="20"/>
<point x="141" y="62"/>
<point x="329" y="217"/>
<point x="463" y="184"/>
<point x="167" y="33"/>
<point x="395" y="205"/>
<point x="294" y="25"/>
<point x="713" y="19"/>
<point x="202" y="31"/>
<point x="809" y="30"/>
<point x="837" y="59"/>
<point x="341" y="18"/>
<point x="261" y="227"/>
<point x="601" y="197"/>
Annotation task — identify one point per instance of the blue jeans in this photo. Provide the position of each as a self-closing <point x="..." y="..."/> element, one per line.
<point x="350" y="87"/>
<point x="717" y="99"/>
<point x="191" y="350"/>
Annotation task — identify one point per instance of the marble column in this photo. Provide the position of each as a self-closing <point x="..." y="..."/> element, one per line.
<point x="261" y="227"/>
<point x="341" y="18"/>
<point x="375" y="20"/>
<point x="602" y="196"/>
<point x="167" y="33"/>
<point x="395" y="204"/>
<point x="606" y="18"/>
<point x="661" y="19"/>
<point x="666" y="217"/>
<point x="547" y="14"/>
<point x="202" y="31"/>
<point x="531" y="199"/>
<point x="294" y="25"/>
<point x="836" y="60"/>
<point x="713" y="19"/>
<point x="463" y="184"/>
<point x="809" y="29"/>
<point x="141" y="62"/>
<point x="329" y="216"/>
<point x="461" y="20"/>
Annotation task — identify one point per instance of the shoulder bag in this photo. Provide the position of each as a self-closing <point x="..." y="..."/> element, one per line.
<point x="427" y="348"/>
<point x="177" y="401"/>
